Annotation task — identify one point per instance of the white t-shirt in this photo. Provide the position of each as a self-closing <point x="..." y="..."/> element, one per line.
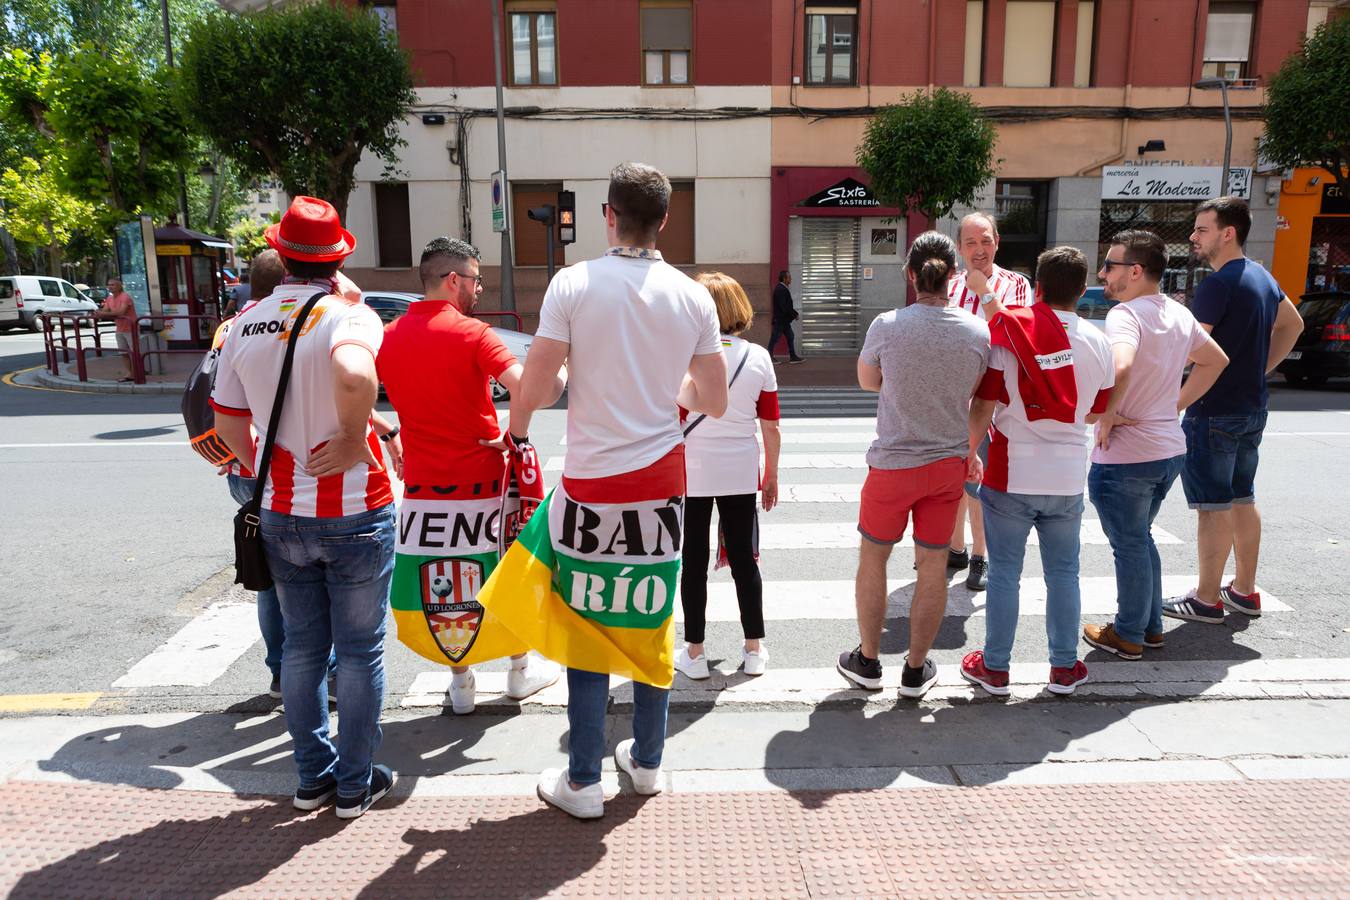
<point x="633" y="324"/>
<point x="246" y="385"/>
<point x="721" y="456"/>
<point x="1011" y="289"/>
<point x="1046" y="456"/>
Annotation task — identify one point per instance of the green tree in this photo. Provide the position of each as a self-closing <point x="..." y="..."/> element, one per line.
<point x="37" y="210"/>
<point x="248" y="238"/>
<point x="298" y="94"/>
<point x="929" y="152"/>
<point x="1308" y="105"/>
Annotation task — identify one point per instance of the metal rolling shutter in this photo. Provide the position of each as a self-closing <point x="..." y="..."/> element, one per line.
<point x="830" y="285"/>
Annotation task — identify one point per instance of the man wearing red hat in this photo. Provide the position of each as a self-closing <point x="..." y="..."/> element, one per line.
<point x="328" y="506"/>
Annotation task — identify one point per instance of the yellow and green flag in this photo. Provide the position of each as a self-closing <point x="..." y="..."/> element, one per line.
<point x="591" y="582"/>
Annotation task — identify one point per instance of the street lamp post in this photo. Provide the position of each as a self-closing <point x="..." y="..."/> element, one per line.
<point x="168" y="57"/>
<point x="1214" y="83"/>
<point x="508" y="274"/>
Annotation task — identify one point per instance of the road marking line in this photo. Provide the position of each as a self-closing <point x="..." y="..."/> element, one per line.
<point x="8" y="378"/>
<point x="96" y="444"/>
<point x="844" y="535"/>
<point x="834" y="600"/>
<point x="27" y="703"/>
<point x="200" y="652"/>
<point x="785" y="461"/>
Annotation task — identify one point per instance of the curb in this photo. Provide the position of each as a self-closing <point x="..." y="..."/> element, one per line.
<point x="44" y="378"/>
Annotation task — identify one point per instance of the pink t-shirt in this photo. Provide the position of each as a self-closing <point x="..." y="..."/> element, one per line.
<point x="1164" y="335"/>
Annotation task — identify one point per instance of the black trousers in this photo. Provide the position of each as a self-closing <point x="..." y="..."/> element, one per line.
<point x="784" y="329"/>
<point x="737" y="515"/>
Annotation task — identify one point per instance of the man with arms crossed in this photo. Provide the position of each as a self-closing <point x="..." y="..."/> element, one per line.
<point x="1245" y="311"/>
<point x="639" y="336"/>
<point x="983" y="289"/>
<point x="1140" y="447"/>
<point x="926" y="361"/>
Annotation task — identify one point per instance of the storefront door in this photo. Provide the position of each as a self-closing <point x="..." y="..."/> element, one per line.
<point x="829" y="286"/>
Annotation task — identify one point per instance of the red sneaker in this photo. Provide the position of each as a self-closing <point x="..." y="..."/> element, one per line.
<point x="974" y="671"/>
<point x="1063" y="679"/>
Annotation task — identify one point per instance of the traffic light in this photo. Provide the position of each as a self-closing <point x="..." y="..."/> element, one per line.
<point x="567" y="217"/>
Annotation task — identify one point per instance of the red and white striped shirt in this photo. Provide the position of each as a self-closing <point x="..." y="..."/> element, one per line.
<point x="245" y="385"/>
<point x="1011" y="289"/>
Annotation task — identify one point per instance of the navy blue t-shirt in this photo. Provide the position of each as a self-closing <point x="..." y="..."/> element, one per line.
<point x="1240" y="302"/>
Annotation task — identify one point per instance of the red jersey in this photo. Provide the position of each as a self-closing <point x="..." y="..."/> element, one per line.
<point x="1011" y="289"/>
<point x="435" y="363"/>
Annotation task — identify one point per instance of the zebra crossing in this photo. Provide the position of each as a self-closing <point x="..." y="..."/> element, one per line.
<point x="809" y="552"/>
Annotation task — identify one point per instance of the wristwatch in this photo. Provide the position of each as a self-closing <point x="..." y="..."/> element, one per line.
<point x="987" y="297"/>
<point x="393" y="433"/>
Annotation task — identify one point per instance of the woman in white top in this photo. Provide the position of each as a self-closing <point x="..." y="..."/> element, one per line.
<point x="722" y="466"/>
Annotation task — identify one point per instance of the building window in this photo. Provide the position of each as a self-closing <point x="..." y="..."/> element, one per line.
<point x="387" y="13"/>
<point x="393" y="233"/>
<point x="528" y="237"/>
<point x="1228" y="39"/>
<point x="534" y="44"/>
<point x="831" y="36"/>
<point x="1029" y="43"/>
<point x="1083" y="50"/>
<point x="667" y="42"/>
<point x="974" y="64"/>
<point x="1021" y="210"/>
<point x="676" y="240"/>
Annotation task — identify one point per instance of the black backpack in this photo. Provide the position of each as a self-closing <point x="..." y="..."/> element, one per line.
<point x="198" y="415"/>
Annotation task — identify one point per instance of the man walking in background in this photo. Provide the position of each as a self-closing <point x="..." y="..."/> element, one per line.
<point x="1247" y="314"/>
<point x="782" y="316"/>
<point x="982" y="289"/>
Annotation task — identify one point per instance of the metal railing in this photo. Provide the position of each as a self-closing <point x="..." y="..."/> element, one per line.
<point x="520" y="324"/>
<point x="61" y="330"/>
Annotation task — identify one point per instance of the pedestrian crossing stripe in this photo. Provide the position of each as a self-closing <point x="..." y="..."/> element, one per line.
<point x="834" y="600"/>
<point x="853" y="460"/>
<point x="200" y="652"/>
<point x="844" y="535"/>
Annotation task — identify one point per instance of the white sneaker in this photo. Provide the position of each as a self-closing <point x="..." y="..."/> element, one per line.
<point x="754" y="661"/>
<point x="587" y="803"/>
<point x="645" y="781"/>
<point x="530" y="676"/>
<point x="463" y="693"/>
<point x="695" y="667"/>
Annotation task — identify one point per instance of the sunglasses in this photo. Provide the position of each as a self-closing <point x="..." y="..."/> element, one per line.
<point x="605" y="207"/>
<point x="1107" y="264"/>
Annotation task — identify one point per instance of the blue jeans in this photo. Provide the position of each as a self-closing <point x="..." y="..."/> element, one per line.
<point x="587" y="700"/>
<point x="1128" y="497"/>
<point x="1221" y="457"/>
<point x="1008" y="520"/>
<point x="333" y="576"/>
<point x="783" y="329"/>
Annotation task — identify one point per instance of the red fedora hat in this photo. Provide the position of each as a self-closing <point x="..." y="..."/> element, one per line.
<point x="310" y="232"/>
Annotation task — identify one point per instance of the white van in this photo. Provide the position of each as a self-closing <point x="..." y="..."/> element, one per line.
<point x="22" y="297"/>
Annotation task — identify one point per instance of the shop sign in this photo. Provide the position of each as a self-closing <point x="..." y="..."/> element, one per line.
<point x="1334" y="201"/>
<point x="848" y="192"/>
<point x="1184" y="183"/>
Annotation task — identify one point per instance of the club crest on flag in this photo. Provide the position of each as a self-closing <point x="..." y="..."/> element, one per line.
<point x="453" y="616"/>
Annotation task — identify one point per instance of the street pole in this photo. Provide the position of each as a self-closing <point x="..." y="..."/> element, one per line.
<point x="168" y="56"/>
<point x="508" y="273"/>
<point x="1228" y="140"/>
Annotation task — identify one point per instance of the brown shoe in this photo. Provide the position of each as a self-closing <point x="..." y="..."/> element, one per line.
<point x="1153" y="641"/>
<point x="1104" y="637"/>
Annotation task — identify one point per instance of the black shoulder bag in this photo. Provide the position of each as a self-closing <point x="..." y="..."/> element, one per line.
<point x="250" y="560"/>
<point x="694" y="424"/>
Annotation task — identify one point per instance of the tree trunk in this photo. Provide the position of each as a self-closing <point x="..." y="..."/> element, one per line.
<point x="11" y="251"/>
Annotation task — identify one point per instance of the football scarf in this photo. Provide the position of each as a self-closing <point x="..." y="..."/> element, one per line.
<point x="591" y="582"/>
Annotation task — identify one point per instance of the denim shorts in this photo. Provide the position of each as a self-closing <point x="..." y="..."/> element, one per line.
<point x="1221" y="457"/>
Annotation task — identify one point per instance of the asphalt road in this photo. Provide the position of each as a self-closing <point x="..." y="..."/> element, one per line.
<point x="116" y="536"/>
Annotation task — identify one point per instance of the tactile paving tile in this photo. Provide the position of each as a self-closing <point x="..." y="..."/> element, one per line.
<point x="1216" y="839"/>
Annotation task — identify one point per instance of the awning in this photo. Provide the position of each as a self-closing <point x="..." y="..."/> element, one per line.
<point x="224" y="245"/>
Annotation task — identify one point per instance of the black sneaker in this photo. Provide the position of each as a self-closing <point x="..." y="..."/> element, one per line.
<point x="312" y="798"/>
<point x="274" y="689"/>
<point x="382" y="780"/>
<point x="915" y="683"/>
<point x="862" y="672"/>
<point x="977" y="579"/>
<point x="957" y="559"/>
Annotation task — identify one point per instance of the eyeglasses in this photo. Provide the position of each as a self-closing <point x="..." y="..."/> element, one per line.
<point x="1107" y="264"/>
<point x="477" y="279"/>
<point x="604" y="210"/>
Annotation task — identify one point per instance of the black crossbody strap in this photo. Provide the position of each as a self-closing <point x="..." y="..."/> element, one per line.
<point x="744" y="356"/>
<point x="265" y="464"/>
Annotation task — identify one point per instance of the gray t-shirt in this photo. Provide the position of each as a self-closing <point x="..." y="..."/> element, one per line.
<point x="931" y="359"/>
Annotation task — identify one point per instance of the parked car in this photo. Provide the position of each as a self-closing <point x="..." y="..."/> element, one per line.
<point x="1322" y="351"/>
<point x="97" y="294"/>
<point x="1093" y="304"/>
<point x="389" y="305"/>
<point x="24" y="297"/>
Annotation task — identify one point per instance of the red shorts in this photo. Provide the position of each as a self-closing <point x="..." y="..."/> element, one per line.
<point x="932" y="493"/>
